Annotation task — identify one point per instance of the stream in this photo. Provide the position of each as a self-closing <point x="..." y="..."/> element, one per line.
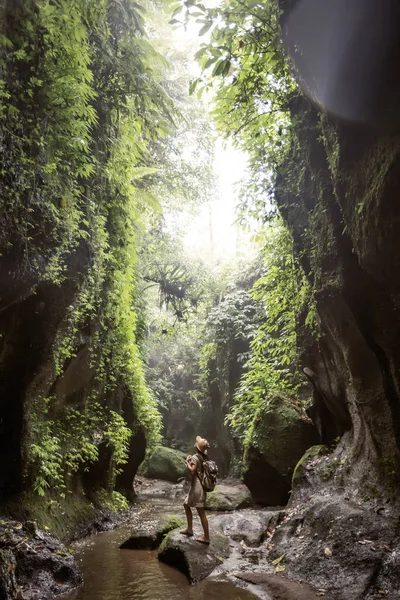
<point x="113" y="574"/>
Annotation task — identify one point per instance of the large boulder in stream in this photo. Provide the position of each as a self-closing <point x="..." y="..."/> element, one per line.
<point x="150" y="536"/>
<point x="230" y="495"/>
<point x="249" y="526"/>
<point x="194" y="559"/>
<point x="280" y="435"/>
<point x="164" y="463"/>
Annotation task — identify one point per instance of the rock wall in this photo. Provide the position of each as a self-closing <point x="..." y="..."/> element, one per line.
<point x="70" y="363"/>
<point x="222" y="383"/>
<point x="340" y="203"/>
<point x="31" y="321"/>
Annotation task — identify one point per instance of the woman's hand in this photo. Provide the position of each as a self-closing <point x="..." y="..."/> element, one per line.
<point x="192" y="467"/>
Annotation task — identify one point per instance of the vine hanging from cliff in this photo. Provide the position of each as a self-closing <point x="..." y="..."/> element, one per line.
<point x="273" y="362"/>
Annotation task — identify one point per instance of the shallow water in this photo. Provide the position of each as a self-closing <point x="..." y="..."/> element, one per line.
<point x="114" y="574"/>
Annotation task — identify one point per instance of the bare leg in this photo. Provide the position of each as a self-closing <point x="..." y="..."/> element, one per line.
<point x="189" y="518"/>
<point x="204" y="521"/>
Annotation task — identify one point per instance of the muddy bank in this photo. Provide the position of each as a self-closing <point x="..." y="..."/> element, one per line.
<point x="277" y="587"/>
<point x="103" y="520"/>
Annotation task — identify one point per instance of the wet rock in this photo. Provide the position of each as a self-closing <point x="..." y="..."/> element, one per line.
<point x="34" y="561"/>
<point x="340" y="546"/>
<point x="387" y="583"/>
<point x="102" y="520"/>
<point x="280" y="588"/>
<point x="150" y="537"/>
<point x="249" y="526"/>
<point x="229" y="496"/>
<point x="8" y="583"/>
<point x="280" y="435"/>
<point x="194" y="559"/>
<point x="150" y="489"/>
<point x="302" y="481"/>
<point x="164" y="463"/>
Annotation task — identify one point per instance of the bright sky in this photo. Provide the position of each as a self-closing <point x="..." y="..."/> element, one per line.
<point x="220" y="241"/>
<point x="213" y="233"/>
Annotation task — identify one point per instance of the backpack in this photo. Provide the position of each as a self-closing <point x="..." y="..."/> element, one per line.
<point x="208" y="478"/>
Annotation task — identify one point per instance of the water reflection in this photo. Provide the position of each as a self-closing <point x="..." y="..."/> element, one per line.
<point x="114" y="574"/>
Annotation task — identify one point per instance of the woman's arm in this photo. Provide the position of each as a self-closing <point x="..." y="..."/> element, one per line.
<point x="190" y="465"/>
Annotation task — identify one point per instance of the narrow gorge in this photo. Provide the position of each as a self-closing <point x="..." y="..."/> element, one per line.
<point x="199" y="236"/>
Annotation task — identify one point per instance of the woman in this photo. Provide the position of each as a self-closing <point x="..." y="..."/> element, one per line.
<point x="196" y="497"/>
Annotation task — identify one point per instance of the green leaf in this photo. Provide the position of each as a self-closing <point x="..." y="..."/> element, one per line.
<point x="221" y="68"/>
<point x="192" y="86"/>
<point x="209" y="62"/>
<point x="205" y="28"/>
<point x="200" y="53"/>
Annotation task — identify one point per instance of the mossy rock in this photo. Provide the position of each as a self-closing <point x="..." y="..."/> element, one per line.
<point x="194" y="559"/>
<point x="149" y="538"/>
<point x="310" y="455"/>
<point x="279" y="436"/>
<point x="64" y="519"/>
<point x="164" y="463"/>
<point x="229" y="497"/>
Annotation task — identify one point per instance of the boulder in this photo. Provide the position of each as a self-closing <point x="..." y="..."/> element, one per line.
<point x="159" y="489"/>
<point x="279" y="436"/>
<point x="341" y="546"/>
<point x="164" y="463"/>
<point x="150" y="537"/>
<point x="248" y="526"/>
<point x="194" y="559"/>
<point x="229" y="496"/>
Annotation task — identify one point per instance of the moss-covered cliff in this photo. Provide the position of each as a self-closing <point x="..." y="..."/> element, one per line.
<point x="74" y="131"/>
<point x="339" y="202"/>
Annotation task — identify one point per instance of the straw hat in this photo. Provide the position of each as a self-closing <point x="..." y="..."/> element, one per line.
<point x="201" y="445"/>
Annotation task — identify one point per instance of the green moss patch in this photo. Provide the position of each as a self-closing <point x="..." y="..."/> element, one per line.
<point x="230" y="497"/>
<point x="310" y="455"/>
<point x="61" y="518"/>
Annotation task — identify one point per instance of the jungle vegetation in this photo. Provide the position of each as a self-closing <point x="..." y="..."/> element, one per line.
<point x="107" y="144"/>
